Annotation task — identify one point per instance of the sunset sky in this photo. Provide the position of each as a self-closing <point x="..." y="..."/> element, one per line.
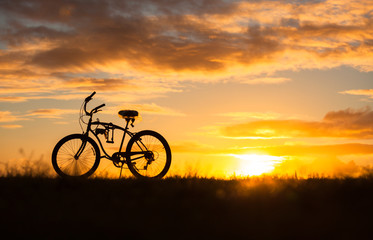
<point x="236" y="87"/>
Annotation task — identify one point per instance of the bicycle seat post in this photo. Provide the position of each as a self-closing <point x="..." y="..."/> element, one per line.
<point x="127" y="122"/>
<point x="124" y="135"/>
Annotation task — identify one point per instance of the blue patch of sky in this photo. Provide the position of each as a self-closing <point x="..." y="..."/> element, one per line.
<point x="3" y="46"/>
<point x="51" y="25"/>
<point x="354" y="43"/>
<point x="180" y="37"/>
<point x="99" y="75"/>
<point x="369" y="15"/>
<point x="4" y="17"/>
<point x="118" y="12"/>
<point x="301" y="2"/>
<point x="148" y="9"/>
<point x="368" y="42"/>
<point x="3" y="25"/>
<point x="29" y="4"/>
<point x="290" y="22"/>
<point x="170" y="33"/>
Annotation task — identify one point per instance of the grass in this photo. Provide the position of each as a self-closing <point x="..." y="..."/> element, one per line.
<point x="36" y="204"/>
<point x="186" y="208"/>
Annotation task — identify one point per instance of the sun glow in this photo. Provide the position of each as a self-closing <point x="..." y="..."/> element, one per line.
<point x="255" y="165"/>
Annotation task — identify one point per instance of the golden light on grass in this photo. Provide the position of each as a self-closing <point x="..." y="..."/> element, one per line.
<point x="255" y="164"/>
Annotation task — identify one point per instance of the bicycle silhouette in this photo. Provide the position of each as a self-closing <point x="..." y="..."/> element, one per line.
<point x="147" y="154"/>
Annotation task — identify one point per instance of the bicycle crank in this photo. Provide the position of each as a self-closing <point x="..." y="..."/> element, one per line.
<point x="117" y="160"/>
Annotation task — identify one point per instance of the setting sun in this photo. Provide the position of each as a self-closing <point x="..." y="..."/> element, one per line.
<point x="255" y="164"/>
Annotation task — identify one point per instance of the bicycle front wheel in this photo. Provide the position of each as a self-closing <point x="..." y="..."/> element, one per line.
<point x="76" y="156"/>
<point x="148" y="155"/>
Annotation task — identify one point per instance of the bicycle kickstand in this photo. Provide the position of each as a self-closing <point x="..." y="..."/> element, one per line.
<point x="120" y="174"/>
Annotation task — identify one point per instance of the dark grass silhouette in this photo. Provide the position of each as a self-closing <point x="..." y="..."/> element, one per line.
<point x="186" y="208"/>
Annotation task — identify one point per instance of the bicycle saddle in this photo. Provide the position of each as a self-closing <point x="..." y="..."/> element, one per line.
<point x="128" y="114"/>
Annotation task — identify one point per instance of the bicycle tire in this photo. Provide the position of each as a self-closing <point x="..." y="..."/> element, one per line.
<point x="66" y="165"/>
<point x="160" y="161"/>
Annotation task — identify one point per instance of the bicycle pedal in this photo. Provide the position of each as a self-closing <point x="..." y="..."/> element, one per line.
<point x="110" y="141"/>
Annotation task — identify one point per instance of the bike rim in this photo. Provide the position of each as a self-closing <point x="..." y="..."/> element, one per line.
<point x="149" y="165"/>
<point x="75" y="167"/>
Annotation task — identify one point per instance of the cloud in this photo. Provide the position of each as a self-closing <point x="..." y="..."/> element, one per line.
<point x="143" y="49"/>
<point x="314" y="150"/>
<point x="102" y="84"/>
<point x="12" y="99"/>
<point x="130" y="85"/>
<point x="26" y="97"/>
<point x="336" y="124"/>
<point x="149" y="108"/>
<point x="11" y="126"/>
<point x="159" y="36"/>
<point x="267" y="80"/>
<point x="7" y="116"/>
<point x="155" y="109"/>
<point x="51" y="113"/>
<point x="248" y="115"/>
<point x="363" y="92"/>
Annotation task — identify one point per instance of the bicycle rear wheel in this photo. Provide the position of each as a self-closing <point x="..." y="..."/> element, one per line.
<point x="66" y="162"/>
<point x="148" y="155"/>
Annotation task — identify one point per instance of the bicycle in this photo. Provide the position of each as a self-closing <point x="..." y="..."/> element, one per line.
<point x="147" y="153"/>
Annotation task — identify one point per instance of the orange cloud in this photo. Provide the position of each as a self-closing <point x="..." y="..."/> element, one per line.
<point x="266" y="80"/>
<point x="363" y="92"/>
<point x="115" y="45"/>
<point x="6" y="116"/>
<point x="312" y="150"/>
<point x="11" y="126"/>
<point x="151" y="108"/>
<point x="248" y="115"/>
<point x="28" y="97"/>
<point x="51" y="113"/>
<point x="185" y="36"/>
<point x="338" y="124"/>
<point x="100" y="83"/>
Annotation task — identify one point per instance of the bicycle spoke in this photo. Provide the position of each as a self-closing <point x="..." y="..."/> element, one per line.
<point x="66" y="157"/>
<point x="155" y="165"/>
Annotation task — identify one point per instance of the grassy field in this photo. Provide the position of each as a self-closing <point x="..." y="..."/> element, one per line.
<point x="187" y="208"/>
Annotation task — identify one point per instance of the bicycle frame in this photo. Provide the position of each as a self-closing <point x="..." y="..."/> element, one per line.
<point x="112" y="126"/>
<point x="117" y="155"/>
<point x="107" y="126"/>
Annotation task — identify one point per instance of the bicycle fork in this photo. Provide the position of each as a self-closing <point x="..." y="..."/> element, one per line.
<point x="81" y="149"/>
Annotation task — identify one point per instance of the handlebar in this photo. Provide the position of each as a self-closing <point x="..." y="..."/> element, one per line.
<point x="89" y="98"/>
<point x="94" y="110"/>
